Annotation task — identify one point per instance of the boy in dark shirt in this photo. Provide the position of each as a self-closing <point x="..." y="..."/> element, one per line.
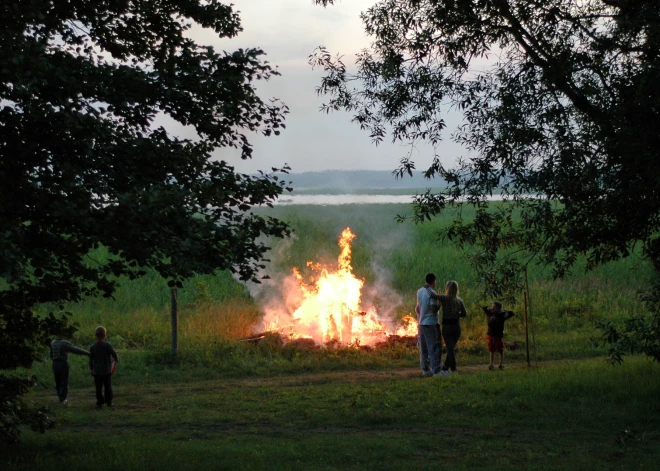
<point x="496" y="317"/>
<point x="59" y="352"/>
<point x="100" y="362"/>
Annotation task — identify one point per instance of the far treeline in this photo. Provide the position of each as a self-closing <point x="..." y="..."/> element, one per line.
<point x="569" y="113"/>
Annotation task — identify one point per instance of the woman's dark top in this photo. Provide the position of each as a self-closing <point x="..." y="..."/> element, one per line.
<point x="452" y="309"/>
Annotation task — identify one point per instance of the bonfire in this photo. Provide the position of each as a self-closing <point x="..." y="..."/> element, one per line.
<point x="328" y="307"/>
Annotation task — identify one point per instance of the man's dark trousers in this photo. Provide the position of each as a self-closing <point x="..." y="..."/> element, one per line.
<point x="61" y="372"/>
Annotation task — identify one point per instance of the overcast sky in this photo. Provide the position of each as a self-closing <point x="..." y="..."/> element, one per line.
<point x="289" y="31"/>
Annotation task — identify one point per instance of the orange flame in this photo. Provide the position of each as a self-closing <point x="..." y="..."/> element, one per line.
<point x="329" y="310"/>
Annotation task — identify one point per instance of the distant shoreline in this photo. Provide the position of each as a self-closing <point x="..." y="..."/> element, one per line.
<point x="325" y="199"/>
<point x="358" y="182"/>
<point x="359" y="191"/>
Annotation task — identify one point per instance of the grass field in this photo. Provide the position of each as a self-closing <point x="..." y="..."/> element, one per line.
<point x="223" y="404"/>
<point x="582" y="415"/>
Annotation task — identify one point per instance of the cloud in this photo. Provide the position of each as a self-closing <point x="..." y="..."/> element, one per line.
<point x="288" y="31"/>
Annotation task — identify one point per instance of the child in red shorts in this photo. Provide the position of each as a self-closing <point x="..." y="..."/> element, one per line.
<point x="496" y="317"/>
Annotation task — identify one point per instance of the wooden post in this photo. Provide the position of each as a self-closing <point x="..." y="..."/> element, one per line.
<point x="175" y="320"/>
<point x="527" y="305"/>
<point x="526" y="329"/>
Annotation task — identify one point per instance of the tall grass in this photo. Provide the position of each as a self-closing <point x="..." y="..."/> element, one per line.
<point x="218" y="309"/>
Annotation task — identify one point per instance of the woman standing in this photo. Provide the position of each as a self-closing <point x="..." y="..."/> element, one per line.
<point x="453" y="309"/>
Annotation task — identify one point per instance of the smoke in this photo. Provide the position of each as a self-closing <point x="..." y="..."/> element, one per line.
<point x="382" y="296"/>
<point x="280" y="294"/>
<point x="388" y="302"/>
<point x="279" y="251"/>
<point x="280" y="303"/>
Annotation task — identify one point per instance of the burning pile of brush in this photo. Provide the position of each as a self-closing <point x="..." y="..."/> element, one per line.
<point x="328" y="310"/>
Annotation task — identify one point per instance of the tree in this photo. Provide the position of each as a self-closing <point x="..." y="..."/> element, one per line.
<point x="561" y="109"/>
<point x="82" y="163"/>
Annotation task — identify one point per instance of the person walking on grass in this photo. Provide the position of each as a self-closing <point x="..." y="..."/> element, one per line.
<point x="101" y="354"/>
<point x="496" y="317"/>
<point x="428" y="329"/>
<point x="59" y="353"/>
<point x="453" y="308"/>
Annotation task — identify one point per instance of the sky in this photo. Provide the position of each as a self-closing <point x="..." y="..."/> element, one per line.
<point x="289" y="31"/>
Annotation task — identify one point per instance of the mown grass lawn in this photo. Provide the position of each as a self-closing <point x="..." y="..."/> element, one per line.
<point x="581" y="414"/>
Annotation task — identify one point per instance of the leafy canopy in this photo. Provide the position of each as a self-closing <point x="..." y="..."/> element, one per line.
<point x="84" y="162"/>
<point x="561" y="108"/>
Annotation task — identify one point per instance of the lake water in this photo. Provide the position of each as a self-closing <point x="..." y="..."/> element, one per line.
<point x="333" y="200"/>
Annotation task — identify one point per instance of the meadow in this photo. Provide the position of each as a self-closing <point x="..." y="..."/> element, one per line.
<point x="226" y="404"/>
<point x="215" y="310"/>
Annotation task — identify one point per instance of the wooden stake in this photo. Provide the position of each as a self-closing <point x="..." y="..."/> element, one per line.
<point x="528" y="311"/>
<point x="526" y="327"/>
<point x="175" y="320"/>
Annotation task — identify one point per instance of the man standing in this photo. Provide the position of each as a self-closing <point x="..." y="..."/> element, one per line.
<point x="59" y="352"/>
<point x="430" y="341"/>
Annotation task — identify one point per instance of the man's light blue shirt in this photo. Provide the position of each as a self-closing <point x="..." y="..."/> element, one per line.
<point x="427" y="300"/>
